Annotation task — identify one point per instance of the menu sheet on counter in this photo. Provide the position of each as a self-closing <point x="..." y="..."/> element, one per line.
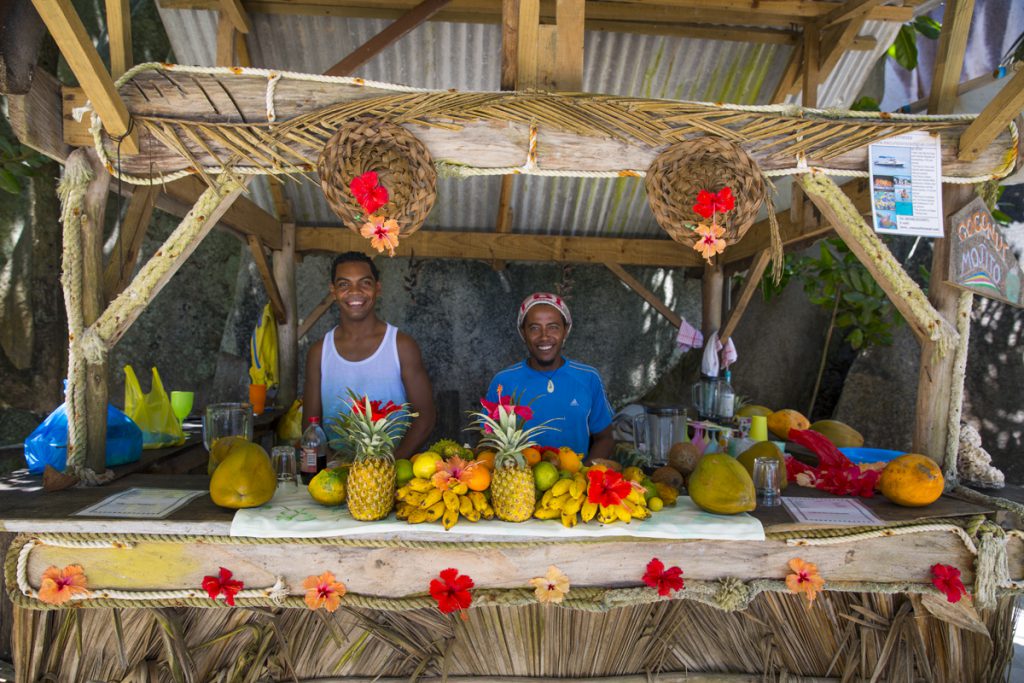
<point x="906" y="185"/>
<point x="140" y="503"/>
<point x="830" y="511"/>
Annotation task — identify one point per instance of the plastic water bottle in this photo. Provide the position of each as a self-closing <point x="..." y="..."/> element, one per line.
<point x="313" y="457"/>
<point x="726" y="398"/>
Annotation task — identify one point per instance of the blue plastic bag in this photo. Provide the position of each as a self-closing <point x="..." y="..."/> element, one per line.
<point x="48" y="444"/>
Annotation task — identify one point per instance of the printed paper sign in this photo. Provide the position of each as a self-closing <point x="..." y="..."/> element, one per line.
<point x="906" y="185"/>
<point x="138" y="503"/>
<point x="830" y="511"/>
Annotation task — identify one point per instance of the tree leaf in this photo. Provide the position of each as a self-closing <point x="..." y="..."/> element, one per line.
<point x="8" y="183"/>
<point x="866" y="104"/>
<point x="927" y="27"/>
<point x="856" y="338"/>
<point x="904" y="48"/>
<point x="1001" y="217"/>
<point x="960" y="614"/>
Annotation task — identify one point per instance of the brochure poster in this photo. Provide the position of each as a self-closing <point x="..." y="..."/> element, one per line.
<point x="906" y="185"/>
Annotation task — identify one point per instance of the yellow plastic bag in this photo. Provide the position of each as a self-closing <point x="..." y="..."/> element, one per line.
<point x="151" y="412"/>
<point x="289" y="427"/>
<point x="263" y="350"/>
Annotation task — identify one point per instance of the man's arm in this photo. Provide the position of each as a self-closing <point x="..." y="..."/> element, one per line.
<point x="311" y="400"/>
<point x="419" y="393"/>
<point x="601" y="444"/>
<point x="600" y="424"/>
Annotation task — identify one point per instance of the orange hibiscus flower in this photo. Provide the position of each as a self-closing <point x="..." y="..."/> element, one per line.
<point x="323" y="591"/>
<point x="382" y="233"/>
<point x="710" y="242"/>
<point x="60" y="585"/>
<point x="806" y="579"/>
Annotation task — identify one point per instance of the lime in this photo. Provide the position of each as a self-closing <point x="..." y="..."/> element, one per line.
<point x="328" y="487"/>
<point x="655" y="504"/>
<point x="544" y="475"/>
<point x="426" y="465"/>
<point x="649" y="489"/>
<point x="403" y="472"/>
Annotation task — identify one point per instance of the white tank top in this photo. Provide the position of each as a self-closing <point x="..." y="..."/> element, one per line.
<point x="379" y="376"/>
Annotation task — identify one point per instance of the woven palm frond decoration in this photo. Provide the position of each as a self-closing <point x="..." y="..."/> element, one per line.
<point x="402" y="165"/>
<point x="678" y="174"/>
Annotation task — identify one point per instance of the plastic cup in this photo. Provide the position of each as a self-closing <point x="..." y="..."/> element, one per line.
<point x="759" y="428"/>
<point x="766" y="482"/>
<point x="258" y="397"/>
<point x="181" y="404"/>
<point x="283" y="459"/>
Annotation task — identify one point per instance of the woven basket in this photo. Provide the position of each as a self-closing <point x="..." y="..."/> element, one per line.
<point x="402" y="163"/>
<point x="705" y="163"/>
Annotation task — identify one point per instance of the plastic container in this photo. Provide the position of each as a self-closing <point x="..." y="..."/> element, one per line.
<point x="865" y="455"/>
<point x="48" y="444"/>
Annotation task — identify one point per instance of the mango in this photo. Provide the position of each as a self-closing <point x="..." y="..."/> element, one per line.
<point x="721" y="485"/>
<point x="244" y="479"/>
<point x="764" y="449"/>
<point x="842" y="435"/>
<point x="781" y="421"/>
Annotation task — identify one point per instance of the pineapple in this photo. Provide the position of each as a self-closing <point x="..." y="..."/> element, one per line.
<point x="373" y="430"/>
<point x="512" y="488"/>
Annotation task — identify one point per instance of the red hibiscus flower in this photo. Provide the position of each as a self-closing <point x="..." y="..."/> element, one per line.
<point x="607" y="487"/>
<point x="710" y="203"/>
<point x="370" y="195"/>
<point x="452" y="592"/>
<point x="505" y="404"/>
<point x="222" y="585"/>
<point x="664" y="580"/>
<point x="377" y="411"/>
<point x="947" y="580"/>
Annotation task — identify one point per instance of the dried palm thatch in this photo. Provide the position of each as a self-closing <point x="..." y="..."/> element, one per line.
<point x="198" y="120"/>
<point x="401" y="162"/>
<point x="842" y="636"/>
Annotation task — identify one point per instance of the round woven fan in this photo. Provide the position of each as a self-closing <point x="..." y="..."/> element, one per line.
<point x="706" y="163"/>
<point x="402" y="163"/>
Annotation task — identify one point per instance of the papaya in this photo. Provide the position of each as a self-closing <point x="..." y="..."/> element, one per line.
<point x="244" y="479"/>
<point x="764" y="449"/>
<point x="912" y="480"/>
<point x="781" y="421"/>
<point x="842" y="435"/>
<point x="752" y="409"/>
<point x="721" y="485"/>
<point x="221" y="449"/>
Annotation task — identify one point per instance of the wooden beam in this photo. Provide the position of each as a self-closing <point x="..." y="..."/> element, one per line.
<point x="263" y="266"/>
<point x="67" y="30"/>
<point x="791" y="75"/>
<point x="287" y="332"/>
<point x="647" y="295"/>
<point x="849" y="10"/>
<point x="750" y="286"/>
<point x="712" y="287"/>
<point x="365" y="52"/>
<point x="995" y="117"/>
<point x="121" y="265"/>
<point x="569" y="17"/>
<point x="488" y="246"/>
<point x="244" y="215"/>
<point x="36" y="117"/>
<point x="119" y="32"/>
<point x="225" y="54"/>
<point x="812" y="48"/>
<point x="527" y="40"/>
<point x="307" y="323"/>
<point x="949" y="57"/>
<point x="237" y="14"/>
<point x="838" y="40"/>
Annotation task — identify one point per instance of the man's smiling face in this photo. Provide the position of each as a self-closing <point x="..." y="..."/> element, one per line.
<point x="355" y="290"/>
<point x="544" y="331"/>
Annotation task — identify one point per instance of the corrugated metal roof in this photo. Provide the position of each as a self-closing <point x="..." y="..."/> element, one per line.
<point x="444" y="55"/>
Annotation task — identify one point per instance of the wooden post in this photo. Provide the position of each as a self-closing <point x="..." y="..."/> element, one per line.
<point x="92" y="306"/>
<point x="650" y="297"/>
<point x="753" y="281"/>
<point x="711" y="287"/>
<point x="287" y="333"/>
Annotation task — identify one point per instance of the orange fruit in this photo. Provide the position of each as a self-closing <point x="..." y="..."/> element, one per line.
<point x="913" y="480"/>
<point x="568" y="460"/>
<point x="487" y="458"/>
<point x="477" y="478"/>
<point x="532" y="456"/>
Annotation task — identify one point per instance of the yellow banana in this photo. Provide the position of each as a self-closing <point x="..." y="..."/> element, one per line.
<point x="623" y="514"/>
<point x="451" y="500"/>
<point x="435" y="511"/>
<point x="479" y="501"/>
<point x="415" y="499"/>
<point x="546" y="499"/>
<point x="635" y="496"/>
<point x="559" y="501"/>
<point x="465" y="505"/>
<point x="460" y="489"/>
<point x="420" y="485"/>
<point x="588" y="510"/>
<point x="546" y="513"/>
<point x="472" y="515"/>
<point x="561" y="487"/>
<point x="449" y="518"/>
<point x="432" y="496"/>
<point x="402" y="492"/>
<point x="403" y="510"/>
<point x="487" y="512"/>
<point x="573" y="506"/>
<point x="569" y="521"/>
<point x="417" y="516"/>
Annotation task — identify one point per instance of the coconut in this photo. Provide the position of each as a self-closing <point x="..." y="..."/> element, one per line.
<point x="683" y="457"/>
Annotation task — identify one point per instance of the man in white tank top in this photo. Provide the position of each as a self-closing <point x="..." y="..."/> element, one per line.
<point x="367" y="355"/>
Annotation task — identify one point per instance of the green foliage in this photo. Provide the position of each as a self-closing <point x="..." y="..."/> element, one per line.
<point x="904" y="48"/>
<point x="863" y="309"/>
<point x="769" y="288"/>
<point x="866" y="103"/>
<point x="18" y="163"/>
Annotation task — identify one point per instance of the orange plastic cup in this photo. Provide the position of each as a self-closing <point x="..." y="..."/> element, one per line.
<point x="258" y="397"/>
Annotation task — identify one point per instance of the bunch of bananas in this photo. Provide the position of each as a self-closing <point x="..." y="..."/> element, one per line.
<point x="567" y="501"/>
<point x="421" y="501"/>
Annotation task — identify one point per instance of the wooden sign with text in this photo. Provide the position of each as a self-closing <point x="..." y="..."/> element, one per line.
<point x="981" y="260"/>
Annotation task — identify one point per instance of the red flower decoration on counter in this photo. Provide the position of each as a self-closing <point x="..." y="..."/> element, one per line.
<point x="607" y="487"/>
<point x="452" y="591"/>
<point x="368" y="192"/>
<point x="710" y="203"/>
<point x="224" y="585"/>
<point x="665" y="581"/>
<point x="947" y="579"/>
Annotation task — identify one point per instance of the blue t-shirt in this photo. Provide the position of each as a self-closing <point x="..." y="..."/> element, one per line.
<point x="578" y="399"/>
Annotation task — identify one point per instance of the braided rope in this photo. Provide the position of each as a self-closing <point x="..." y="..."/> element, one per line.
<point x="880" y="533"/>
<point x="530" y="167"/>
<point x="956" y="395"/>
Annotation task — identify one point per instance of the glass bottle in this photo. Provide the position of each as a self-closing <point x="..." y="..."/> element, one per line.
<point x="726" y="397"/>
<point x="313" y="456"/>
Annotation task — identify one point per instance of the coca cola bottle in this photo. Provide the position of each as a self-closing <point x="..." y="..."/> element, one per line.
<point x="313" y="453"/>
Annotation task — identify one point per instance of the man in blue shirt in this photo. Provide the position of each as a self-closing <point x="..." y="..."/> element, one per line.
<point x="569" y="394"/>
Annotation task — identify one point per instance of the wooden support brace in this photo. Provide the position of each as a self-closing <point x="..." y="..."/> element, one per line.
<point x="996" y="116"/>
<point x="712" y="288"/>
<point x="812" y="49"/>
<point x="236" y="14"/>
<point x="852" y="9"/>
<point x="263" y="266"/>
<point x="904" y="293"/>
<point x="119" y="31"/>
<point x="750" y="286"/>
<point x="315" y="315"/>
<point x="225" y="41"/>
<point x="650" y="297"/>
<point x="791" y="75"/>
<point x="949" y="57"/>
<point x="287" y="330"/>
<point x="121" y="264"/>
<point x="68" y="31"/>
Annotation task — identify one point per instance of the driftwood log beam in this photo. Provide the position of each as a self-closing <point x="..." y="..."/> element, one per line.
<point x="121" y="264"/>
<point x="315" y="315"/>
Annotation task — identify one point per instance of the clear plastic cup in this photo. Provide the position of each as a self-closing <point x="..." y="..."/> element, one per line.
<point x="283" y="459"/>
<point x="767" y="482"/>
